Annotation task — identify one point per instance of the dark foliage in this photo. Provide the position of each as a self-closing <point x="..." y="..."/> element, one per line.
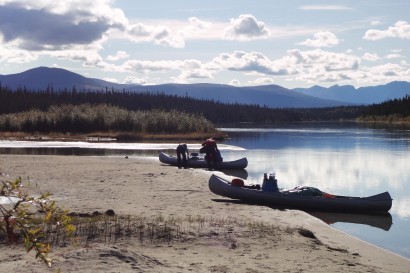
<point x="397" y="107"/>
<point x="15" y="101"/>
<point x="23" y="100"/>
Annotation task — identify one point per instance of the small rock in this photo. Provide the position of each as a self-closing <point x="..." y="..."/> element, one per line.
<point x="110" y="212"/>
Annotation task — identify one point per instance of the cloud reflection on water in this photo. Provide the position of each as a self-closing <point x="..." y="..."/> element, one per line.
<point x="354" y="172"/>
<point x="104" y="145"/>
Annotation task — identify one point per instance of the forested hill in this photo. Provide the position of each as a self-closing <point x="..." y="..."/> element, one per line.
<point x="216" y="112"/>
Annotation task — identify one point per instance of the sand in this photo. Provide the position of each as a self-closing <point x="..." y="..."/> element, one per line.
<point x="230" y="237"/>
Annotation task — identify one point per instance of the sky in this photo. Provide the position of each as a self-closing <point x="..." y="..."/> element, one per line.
<point x="237" y="42"/>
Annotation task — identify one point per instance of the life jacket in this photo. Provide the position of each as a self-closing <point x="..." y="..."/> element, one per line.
<point x="237" y="182"/>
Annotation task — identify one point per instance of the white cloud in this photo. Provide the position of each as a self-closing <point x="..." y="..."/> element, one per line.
<point x="56" y="25"/>
<point x="315" y="66"/>
<point x="198" y="29"/>
<point x="134" y="80"/>
<point x="375" y="23"/>
<point x="144" y="67"/>
<point x="401" y="29"/>
<point x="17" y="56"/>
<point x="88" y="57"/>
<point x="81" y="7"/>
<point x="247" y="62"/>
<point x="198" y="24"/>
<point x="322" y="39"/>
<point x="160" y="35"/>
<point x="110" y="80"/>
<point x="194" y="74"/>
<point x="262" y="81"/>
<point x="118" y="56"/>
<point x="386" y="73"/>
<point x="324" y="60"/>
<point x="188" y="69"/>
<point x="312" y="65"/>
<point x="370" y="57"/>
<point x="246" y="27"/>
<point x="235" y="82"/>
<point x="193" y="69"/>
<point x="393" y="56"/>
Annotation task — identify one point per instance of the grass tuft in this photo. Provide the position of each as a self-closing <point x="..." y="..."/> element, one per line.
<point x="159" y="230"/>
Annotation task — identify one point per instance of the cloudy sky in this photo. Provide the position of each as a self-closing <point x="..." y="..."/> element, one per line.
<point x="237" y="42"/>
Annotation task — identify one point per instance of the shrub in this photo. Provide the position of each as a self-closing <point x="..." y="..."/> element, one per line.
<point x="86" y="118"/>
<point x="25" y="219"/>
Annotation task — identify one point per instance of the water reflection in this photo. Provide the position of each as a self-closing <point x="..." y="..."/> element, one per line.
<point x="320" y="135"/>
<point x="354" y="172"/>
<point x="237" y="173"/>
<point x="351" y="169"/>
<point x="381" y="220"/>
<point x="119" y="146"/>
<point x="356" y="160"/>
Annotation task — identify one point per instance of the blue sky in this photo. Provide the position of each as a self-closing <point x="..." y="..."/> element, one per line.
<point x="237" y="42"/>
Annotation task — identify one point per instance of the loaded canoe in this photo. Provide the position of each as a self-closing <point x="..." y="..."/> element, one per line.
<point x="201" y="162"/>
<point x="377" y="203"/>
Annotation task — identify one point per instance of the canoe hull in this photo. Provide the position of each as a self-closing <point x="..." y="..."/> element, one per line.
<point x="378" y="203"/>
<point x="201" y="163"/>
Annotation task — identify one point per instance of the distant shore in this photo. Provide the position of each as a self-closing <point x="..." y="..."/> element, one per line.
<point x="109" y="137"/>
<point x="192" y="137"/>
<point x="226" y="237"/>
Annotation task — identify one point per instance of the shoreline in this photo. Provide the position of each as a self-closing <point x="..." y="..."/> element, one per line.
<point x="111" y="137"/>
<point x="192" y="137"/>
<point x="145" y="188"/>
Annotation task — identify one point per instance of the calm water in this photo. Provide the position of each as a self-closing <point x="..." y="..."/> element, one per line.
<point x="347" y="159"/>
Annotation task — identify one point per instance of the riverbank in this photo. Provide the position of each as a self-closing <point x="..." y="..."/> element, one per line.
<point x="230" y="237"/>
<point x="113" y="136"/>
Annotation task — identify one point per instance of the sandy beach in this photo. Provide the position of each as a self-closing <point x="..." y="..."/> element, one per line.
<point x="230" y="237"/>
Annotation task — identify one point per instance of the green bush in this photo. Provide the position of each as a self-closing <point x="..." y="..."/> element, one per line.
<point x="26" y="219"/>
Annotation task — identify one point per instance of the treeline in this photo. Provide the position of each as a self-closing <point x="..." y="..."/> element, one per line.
<point x="216" y="112"/>
<point x="25" y="100"/>
<point x="396" y="109"/>
<point x="86" y="118"/>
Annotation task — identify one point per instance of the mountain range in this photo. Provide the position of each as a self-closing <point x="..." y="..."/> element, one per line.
<point x="274" y="96"/>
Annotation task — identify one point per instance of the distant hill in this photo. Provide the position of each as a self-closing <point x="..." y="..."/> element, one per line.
<point x="42" y="78"/>
<point x="362" y="95"/>
<point x="273" y="96"/>
<point x="269" y="95"/>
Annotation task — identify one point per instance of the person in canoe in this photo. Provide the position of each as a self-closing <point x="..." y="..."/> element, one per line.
<point x="182" y="151"/>
<point x="212" y="153"/>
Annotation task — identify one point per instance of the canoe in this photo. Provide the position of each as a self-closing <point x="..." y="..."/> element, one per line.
<point x="200" y="162"/>
<point x="377" y="203"/>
